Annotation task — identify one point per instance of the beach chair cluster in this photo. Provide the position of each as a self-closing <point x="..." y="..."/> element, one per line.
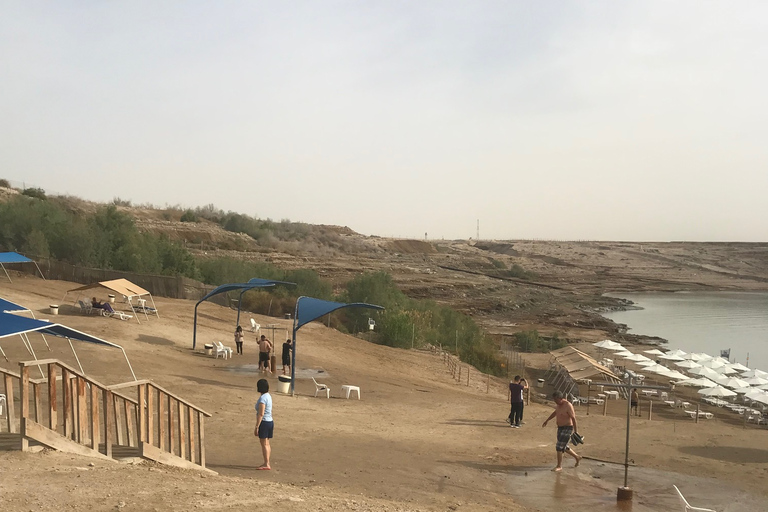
<point x="87" y="308"/>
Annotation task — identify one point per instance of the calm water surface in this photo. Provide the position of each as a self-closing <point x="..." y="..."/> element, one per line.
<point x="703" y="322"/>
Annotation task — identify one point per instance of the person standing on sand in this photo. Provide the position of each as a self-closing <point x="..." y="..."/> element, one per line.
<point x="287" y="347"/>
<point x="566" y="426"/>
<point x="239" y="339"/>
<point x="634" y="402"/>
<point x="265" y="426"/>
<point x="265" y="346"/>
<point x="516" y="389"/>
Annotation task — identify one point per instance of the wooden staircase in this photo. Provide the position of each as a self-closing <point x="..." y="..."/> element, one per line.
<point x="70" y="412"/>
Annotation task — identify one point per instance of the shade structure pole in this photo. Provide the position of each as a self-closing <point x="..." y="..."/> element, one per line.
<point x="76" y="358"/>
<point x="31" y="351"/>
<point x="153" y="305"/>
<point x="38" y="269"/>
<point x="194" y="328"/>
<point x="129" y="363"/>
<point x="5" y="356"/>
<point x="626" y="450"/>
<point x="293" y="348"/>
<point x="9" y="279"/>
<point x="240" y="301"/>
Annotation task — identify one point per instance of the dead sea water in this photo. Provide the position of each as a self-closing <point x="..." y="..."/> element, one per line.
<point x="703" y="322"/>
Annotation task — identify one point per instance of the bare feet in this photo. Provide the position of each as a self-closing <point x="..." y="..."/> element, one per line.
<point x="263" y="468"/>
<point x="578" y="460"/>
<point x="557" y="469"/>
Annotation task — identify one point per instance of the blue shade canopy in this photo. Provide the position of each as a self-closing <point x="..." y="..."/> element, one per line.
<point x="13" y="257"/>
<point x="12" y="325"/>
<point x="242" y="288"/>
<point x="309" y="308"/>
<point x="10" y="307"/>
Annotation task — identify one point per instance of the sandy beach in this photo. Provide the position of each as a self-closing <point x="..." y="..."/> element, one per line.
<point x="417" y="439"/>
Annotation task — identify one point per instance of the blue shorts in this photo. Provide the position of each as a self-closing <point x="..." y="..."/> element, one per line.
<point x="266" y="429"/>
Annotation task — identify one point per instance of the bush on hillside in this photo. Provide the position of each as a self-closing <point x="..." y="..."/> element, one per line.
<point x="531" y="341"/>
<point x="37" y="193"/>
<point x="189" y="216"/>
<point x="5" y="183"/>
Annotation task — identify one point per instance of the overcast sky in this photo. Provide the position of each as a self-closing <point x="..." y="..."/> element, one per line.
<point x="554" y="120"/>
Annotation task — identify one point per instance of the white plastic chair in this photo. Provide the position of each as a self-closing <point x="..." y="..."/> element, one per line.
<point x="322" y="387"/>
<point x="226" y="352"/>
<point x="254" y="326"/>
<point x="687" y="507"/>
<point x="85" y="308"/>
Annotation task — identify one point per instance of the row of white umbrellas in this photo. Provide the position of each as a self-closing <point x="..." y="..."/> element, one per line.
<point x="711" y="373"/>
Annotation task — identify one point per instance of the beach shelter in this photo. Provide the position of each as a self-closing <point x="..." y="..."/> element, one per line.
<point x="128" y="290"/>
<point x="677" y="352"/>
<point x="671" y="357"/>
<point x="654" y="352"/>
<point x="7" y="306"/>
<point x="688" y="364"/>
<point x="14" y="257"/>
<point x="309" y="309"/>
<point x="637" y="358"/>
<point x="738" y="367"/>
<point x="242" y="288"/>
<point x="13" y="325"/>
<point x="697" y="383"/>
<point x="717" y="391"/>
<point x="754" y="373"/>
<point x="732" y="382"/>
<point x="611" y="345"/>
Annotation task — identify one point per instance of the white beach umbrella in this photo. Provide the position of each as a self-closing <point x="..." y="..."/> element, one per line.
<point x="671" y="357"/>
<point x="617" y="348"/>
<point x="698" y="357"/>
<point x="645" y="363"/>
<point x="701" y="382"/>
<point x="606" y="344"/>
<point x="712" y="363"/>
<point x="623" y="353"/>
<point x="675" y="375"/>
<point x="704" y="372"/>
<point x="636" y="358"/>
<point x="739" y="367"/>
<point x="762" y="386"/>
<point x="677" y="352"/>
<point x="756" y="381"/>
<point x="727" y="370"/>
<point x="732" y="382"/>
<point x="745" y="390"/>
<point x="754" y="373"/>
<point x="688" y="364"/>
<point x="722" y="360"/>
<point x="763" y="399"/>
<point x="755" y="394"/>
<point x="654" y="352"/>
<point x="717" y="391"/>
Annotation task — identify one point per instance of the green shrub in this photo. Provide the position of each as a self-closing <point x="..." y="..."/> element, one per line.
<point x="189" y="216"/>
<point x="4" y="183"/>
<point x="519" y="272"/>
<point x="37" y="193"/>
<point x="531" y="341"/>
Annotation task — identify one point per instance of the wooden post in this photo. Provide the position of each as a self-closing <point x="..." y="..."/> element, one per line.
<point x="162" y="420"/>
<point x="191" y="420"/>
<point x="109" y="421"/>
<point x="696" y="419"/>
<point x="650" y="409"/>
<point x="94" y="417"/>
<point x="118" y="423"/>
<point x="66" y="399"/>
<point x="201" y="422"/>
<point x="605" y="406"/>
<point x="53" y="420"/>
<point x="11" y="415"/>
<point x="171" y="430"/>
<point x="36" y="399"/>
<point x="130" y="431"/>
<point x="142" y="420"/>
<point x="24" y="404"/>
<point x="182" y="431"/>
<point x="150" y="414"/>
<point x="82" y="412"/>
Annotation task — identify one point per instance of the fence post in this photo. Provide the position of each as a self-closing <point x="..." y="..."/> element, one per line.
<point x="24" y="404"/>
<point x="53" y="421"/>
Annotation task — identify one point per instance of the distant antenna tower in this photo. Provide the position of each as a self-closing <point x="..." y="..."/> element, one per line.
<point x="478" y="230"/>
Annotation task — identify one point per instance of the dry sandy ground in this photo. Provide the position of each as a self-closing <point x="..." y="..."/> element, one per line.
<point x="417" y="440"/>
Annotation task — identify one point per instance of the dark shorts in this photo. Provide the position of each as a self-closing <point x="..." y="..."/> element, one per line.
<point x="286" y="360"/>
<point x="263" y="357"/>
<point x="563" y="436"/>
<point x="266" y="429"/>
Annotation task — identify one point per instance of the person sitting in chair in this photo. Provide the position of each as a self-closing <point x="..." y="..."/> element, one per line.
<point x="105" y="306"/>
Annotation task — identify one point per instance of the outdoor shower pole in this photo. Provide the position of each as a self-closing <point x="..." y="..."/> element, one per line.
<point x="626" y="452"/>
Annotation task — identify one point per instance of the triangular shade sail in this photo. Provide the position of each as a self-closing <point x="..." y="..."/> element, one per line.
<point x="12" y="325"/>
<point x="11" y="307"/>
<point x="309" y="309"/>
<point x="13" y="257"/>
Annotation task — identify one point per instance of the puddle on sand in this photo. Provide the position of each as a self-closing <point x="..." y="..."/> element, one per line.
<point x="592" y="487"/>
<point x="302" y="373"/>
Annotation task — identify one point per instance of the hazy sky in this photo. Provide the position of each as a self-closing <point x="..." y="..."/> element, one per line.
<point x="569" y="120"/>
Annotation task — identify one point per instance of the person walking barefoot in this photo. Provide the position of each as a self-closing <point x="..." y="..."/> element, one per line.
<point x="566" y="426"/>
<point x="265" y="426"/>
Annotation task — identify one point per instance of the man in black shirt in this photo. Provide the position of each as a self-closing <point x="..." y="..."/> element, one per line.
<point x="287" y="347"/>
<point x="516" y="389"/>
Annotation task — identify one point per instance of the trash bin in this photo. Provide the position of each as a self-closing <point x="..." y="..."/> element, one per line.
<point x="283" y="384"/>
<point x="208" y="349"/>
<point x="54" y="309"/>
<point x="540" y="383"/>
<point x="111" y="298"/>
<point x="287" y="316"/>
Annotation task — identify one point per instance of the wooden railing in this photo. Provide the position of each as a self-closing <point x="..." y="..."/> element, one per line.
<point x="157" y="424"/>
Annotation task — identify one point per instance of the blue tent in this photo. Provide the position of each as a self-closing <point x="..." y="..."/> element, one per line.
<point x="7" y="306"/>
<point x="14" y="257"/>
<point x="309" y="309"/>
<point x="12" y="325"/>
<point x="243" y="287"/>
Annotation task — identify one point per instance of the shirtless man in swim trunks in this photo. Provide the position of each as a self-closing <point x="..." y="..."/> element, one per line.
<point x="566" y="426"/>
